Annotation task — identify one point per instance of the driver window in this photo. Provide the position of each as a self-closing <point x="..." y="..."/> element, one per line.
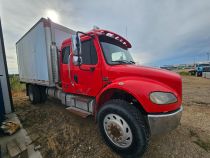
<point x="65" y="54"/>
<point x="89" y="54"/>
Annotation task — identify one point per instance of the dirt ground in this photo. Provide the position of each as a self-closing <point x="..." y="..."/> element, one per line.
<point x="62" y="134"/>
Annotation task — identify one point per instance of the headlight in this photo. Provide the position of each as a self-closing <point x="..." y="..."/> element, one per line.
<point x="162" y="98"/>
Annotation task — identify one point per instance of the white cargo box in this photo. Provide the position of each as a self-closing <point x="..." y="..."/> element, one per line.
<point x="37" y="52"/>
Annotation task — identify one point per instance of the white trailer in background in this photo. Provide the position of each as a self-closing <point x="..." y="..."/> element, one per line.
<point x="206" y="72"/>
<point x="38" y="45"/>
<point x="206" y="75"/>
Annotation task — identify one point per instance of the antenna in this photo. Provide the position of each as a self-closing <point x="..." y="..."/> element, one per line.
<point x="95" y="27"/>
<point x="126" y="32"/>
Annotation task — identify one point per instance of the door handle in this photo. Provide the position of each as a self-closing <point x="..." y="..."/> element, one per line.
<point x="76" y="78"/>
<point x="92" y="69"/>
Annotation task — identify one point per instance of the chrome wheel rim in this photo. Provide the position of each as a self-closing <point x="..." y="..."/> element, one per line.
<point x="118" y="130"/>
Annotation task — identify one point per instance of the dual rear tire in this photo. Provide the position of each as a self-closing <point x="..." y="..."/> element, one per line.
<point x="36" y="94"/>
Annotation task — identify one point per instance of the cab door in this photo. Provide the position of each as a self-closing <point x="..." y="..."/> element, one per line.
<point x="87" y="77"/>
<point x="65" y="69"/>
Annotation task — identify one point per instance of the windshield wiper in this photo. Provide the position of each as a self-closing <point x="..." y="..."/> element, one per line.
<point x="124" y="61"/>
<point x="121" y="61"/>
<point x="132" y="62"/>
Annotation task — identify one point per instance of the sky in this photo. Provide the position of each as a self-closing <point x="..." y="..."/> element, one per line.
<point x="162" y="32"/>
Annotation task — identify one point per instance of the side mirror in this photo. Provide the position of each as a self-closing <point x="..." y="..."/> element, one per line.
<point x="76" y="45"/>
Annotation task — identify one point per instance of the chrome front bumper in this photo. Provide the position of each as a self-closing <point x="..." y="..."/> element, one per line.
<point x="163" y="123"/>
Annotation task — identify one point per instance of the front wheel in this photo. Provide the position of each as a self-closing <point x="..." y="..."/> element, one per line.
<point x="123" y="128"/>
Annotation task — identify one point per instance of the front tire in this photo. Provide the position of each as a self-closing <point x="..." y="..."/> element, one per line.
<point x="123" y="128"/>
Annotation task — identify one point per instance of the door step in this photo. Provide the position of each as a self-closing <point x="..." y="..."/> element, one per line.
<point x="78" y="112"/>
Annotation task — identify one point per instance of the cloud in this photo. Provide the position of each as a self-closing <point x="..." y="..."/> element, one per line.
<point x="163" y="32"/>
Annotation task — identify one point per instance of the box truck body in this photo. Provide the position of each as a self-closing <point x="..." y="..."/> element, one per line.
<point x="37" y="52"/>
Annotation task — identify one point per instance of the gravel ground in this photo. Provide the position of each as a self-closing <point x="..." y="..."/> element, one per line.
<point x="62" y="134"/>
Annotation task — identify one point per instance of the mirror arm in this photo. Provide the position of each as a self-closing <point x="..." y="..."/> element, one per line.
<point x="77" y="39"/>
<point x="69" y="71"/>
<point x="91" y="36"/>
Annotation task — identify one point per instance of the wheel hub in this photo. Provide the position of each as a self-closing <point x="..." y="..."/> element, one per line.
<point x="117" y="130"/>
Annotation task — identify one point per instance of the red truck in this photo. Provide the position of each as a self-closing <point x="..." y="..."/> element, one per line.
<point x="93" y="73"/>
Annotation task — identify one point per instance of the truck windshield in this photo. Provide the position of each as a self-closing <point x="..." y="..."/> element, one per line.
<point x="115" y="52"/>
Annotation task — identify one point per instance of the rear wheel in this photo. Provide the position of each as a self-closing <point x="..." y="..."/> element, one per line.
<point x="123" y="128"/>
<point x="34" y="94"/>
<point x="43" y="94"/>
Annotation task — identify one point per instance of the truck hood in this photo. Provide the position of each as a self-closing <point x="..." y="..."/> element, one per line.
<point x="171" y="79"/>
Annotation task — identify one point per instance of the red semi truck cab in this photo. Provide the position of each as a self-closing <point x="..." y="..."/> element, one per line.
<point x="98" y="76"/>
<point x="104" y="69"/>
<point x="107" y="65"/>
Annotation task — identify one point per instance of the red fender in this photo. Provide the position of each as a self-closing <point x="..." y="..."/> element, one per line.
<point x="140" y="89"/>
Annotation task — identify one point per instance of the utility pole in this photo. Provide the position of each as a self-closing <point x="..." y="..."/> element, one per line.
<point x="208" y="54"/>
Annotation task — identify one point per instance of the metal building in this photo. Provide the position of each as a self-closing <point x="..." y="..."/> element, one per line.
<point x="6" y="105"/>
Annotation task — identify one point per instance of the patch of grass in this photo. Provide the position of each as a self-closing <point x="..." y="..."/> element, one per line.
<point x="184" y="73"/>
<point x="15" y="84"/>
<point x="193" y="134"/>
<point x="202" y="144"/>
<point x="200" y="102"/>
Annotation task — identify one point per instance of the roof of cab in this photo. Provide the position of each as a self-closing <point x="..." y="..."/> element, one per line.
<point x="106" y="33"/>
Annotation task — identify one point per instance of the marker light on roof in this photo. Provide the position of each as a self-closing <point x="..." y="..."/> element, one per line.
<point x="115" y="36"/>
<point x="110" y="35"/>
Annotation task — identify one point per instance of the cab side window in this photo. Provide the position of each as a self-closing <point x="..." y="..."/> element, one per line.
<point x="89" y="54"/>
<point x="65" y="54"/>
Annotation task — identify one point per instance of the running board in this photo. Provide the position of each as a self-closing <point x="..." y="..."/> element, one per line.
<point x="78" y="112"/>
<point x="83" y="103"/>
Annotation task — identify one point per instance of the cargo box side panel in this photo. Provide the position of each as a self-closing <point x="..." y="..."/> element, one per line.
<point x="60" y="34"/>
<point x="32" y="56"/>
